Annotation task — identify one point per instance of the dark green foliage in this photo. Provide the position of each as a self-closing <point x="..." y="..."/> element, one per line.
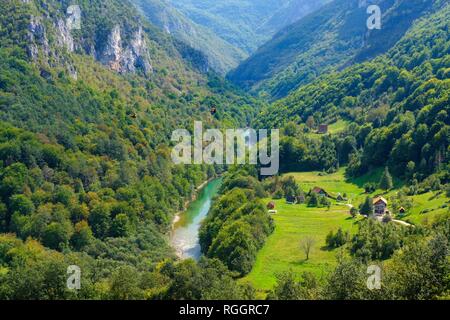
<point x="21" y="204"/>
<point x="207" y="280"/>
<point x="377" y="241"/>
<point x="288" y="287"/>
<point x="370" y="187"/>
<point x="338" y="239"/>
<point x="417" y="272"/>
<point x="367" y="207"/>
<point x="85" y="165"/>
<point x="354" y="212"/>
<point x="396" y="103"/>
<point x="82" y="235"/>
<point x="238" y="223"/>
<point x="386" y="180"/>
<point x="348" y="281"/>
<point x="56" y="235"/>
<point x="120" y="226"/>
<point x="314" y="200"/>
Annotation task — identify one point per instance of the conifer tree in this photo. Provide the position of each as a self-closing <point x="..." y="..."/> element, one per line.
<point x="386" y="180"/>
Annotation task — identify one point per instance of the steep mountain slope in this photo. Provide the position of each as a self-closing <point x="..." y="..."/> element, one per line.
<point x="397" y="107"/>
<point x="243" y="23"/>
<point x="86" y="117"/>
<point x="221" y="55"/>
<point x="329" y="39"/>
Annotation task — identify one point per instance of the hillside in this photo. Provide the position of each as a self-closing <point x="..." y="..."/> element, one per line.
<point x="86" y="117"/>
<point x="397" y="106"/>
<point x="246" y="24"/>
<point x="221" y="55"/>
<point x="329" y="39"/>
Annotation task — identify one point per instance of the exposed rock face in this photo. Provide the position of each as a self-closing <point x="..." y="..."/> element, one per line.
<point x="129" y="58"/>
<point x="63" y="36"/>
<point x="126" y="59"/>
<point x="37" y="38"/>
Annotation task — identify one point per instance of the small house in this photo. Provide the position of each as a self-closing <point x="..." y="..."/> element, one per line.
<point x="320" y="191"/>
<point x="402" y="210"/>
<point x="301" y="199"/>
<point x="271" y="205"/>
<point x="380" y="205"/>
<point x="323" y="129"/>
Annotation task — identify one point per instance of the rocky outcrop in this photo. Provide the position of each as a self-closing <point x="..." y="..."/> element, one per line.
<point x="124" y="59"/>
<point x="63" y="36"/>
<point x="120" y="57"/>
<point x="37" y="38"/>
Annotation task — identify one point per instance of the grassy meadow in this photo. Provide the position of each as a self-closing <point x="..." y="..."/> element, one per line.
<point x="282" y="250"/>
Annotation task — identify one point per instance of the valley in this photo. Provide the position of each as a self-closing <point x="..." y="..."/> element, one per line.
<point x="90" y="113"/>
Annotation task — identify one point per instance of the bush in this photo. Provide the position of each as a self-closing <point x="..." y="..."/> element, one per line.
<point x="370" y="187"/>
<point x="82" y="236"/>
<point x="338" y="239"/>
<point x="354" y="212"/>
<point x="119" y="227"/>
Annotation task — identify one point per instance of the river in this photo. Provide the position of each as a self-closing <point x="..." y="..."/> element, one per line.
<point x="184" y="237"/>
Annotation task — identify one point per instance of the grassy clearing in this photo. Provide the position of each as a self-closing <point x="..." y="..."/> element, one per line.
<point x="282" y="250"/>
<point x="427" y="207"/>
<point x="337" y="127"/>
<point x="333" y="129"/>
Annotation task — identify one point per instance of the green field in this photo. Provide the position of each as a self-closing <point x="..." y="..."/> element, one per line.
<point x="334" y="128"/>
<point x="282" y="250"/>
<point x="426" y="207"/>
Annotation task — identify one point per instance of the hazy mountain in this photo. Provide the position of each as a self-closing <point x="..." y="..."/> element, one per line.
<point x="246" y="24"/>
<point x="333" y="37"/>
<point x="221" y="55"/>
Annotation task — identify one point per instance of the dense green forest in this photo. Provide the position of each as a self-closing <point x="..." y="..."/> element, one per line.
<point x="396" y="106"/>
<point x="85" y="167"/>
<point x="238" y="224"/>
<point x="331" y="38"/>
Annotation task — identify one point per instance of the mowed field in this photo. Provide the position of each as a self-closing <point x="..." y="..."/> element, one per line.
<point x="282" y="251"/>
<point x="293" y="223"/>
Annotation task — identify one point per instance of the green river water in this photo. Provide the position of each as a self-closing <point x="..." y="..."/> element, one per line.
<point x="184" y="237"/>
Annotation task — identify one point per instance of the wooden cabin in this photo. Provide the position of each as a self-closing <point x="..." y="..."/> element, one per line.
<point x="320" y="192"/>
<point x="301" y="199"/>
<point x="380" y="205"/>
